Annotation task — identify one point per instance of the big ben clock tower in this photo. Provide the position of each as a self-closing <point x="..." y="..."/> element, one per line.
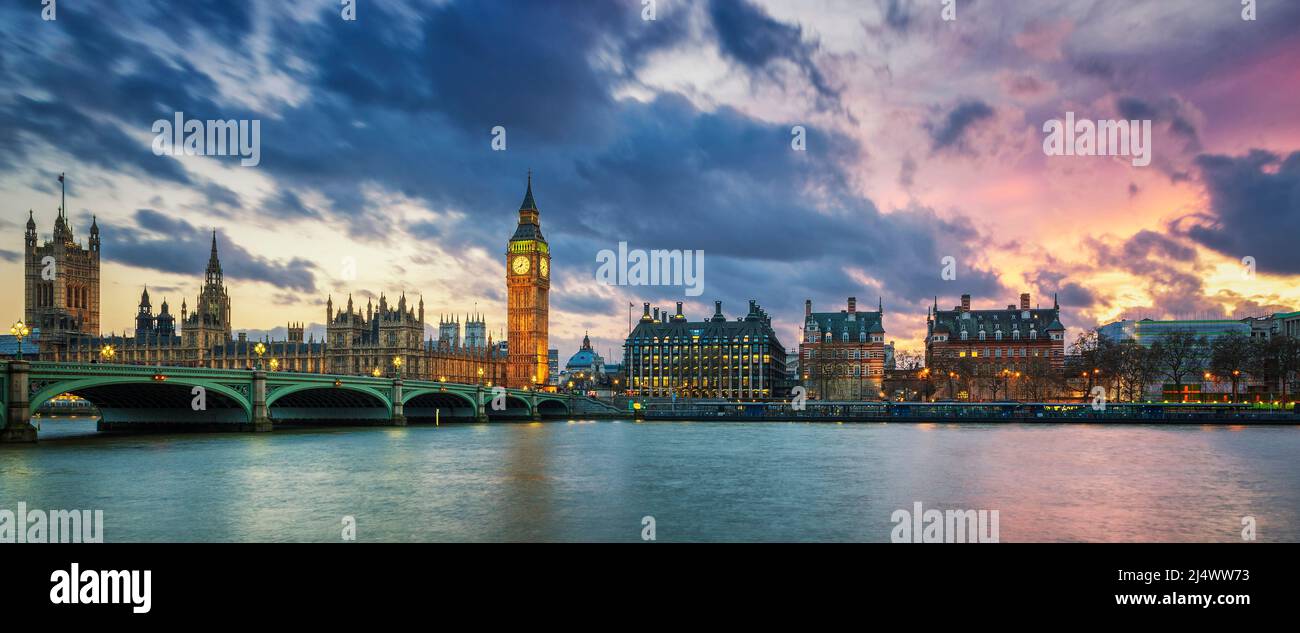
<point x="528" y="284"/>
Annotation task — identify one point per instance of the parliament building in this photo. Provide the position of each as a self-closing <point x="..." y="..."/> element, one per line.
<point x="62" y="299"/>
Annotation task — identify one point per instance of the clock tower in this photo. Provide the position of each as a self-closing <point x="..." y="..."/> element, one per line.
<point x="528" y="284"/>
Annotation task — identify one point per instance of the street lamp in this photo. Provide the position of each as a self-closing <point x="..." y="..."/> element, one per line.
<point x="259" y="349"/>
<point x="20" y="330"/>
<point x="376" y="372"/>
<point x="397" y="365"/>
<point x="275" y="364"/>
<point x="106" y="353"/>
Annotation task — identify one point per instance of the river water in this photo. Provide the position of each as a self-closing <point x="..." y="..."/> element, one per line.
<point x="597" y="481"/>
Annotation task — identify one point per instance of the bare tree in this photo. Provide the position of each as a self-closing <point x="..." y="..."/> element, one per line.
<point x="1179" y="356"/>
<point x="1229" y="358"/>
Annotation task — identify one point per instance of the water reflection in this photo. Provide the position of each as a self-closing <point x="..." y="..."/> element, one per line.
<point x="701" y="481"/>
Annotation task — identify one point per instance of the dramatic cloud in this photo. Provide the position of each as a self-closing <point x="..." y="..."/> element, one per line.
<point x="1254" y="209"/>
<point x="376" y="144"/>
<point x="748" y="35"/>
<point x="950" y="130"/>
<point x="171" y="245"/>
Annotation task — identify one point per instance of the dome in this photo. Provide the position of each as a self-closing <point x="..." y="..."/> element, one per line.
<point x="583" y="360"/>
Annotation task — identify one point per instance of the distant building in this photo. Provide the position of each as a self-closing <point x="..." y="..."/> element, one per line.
<point x="1147" y="331"/>
<point x="714" y="358"/>
<point x="1007" y="338"/>
<point x="585" y="360"/>
<point x="553" y="362"/>
<point x="842" y="355"/>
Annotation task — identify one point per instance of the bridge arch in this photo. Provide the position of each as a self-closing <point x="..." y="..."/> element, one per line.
<point x="426" y="404"/>
<point x="553" y="407"/>
<point x="516" y="407"/>
<point x="144" y="400"/>
<point x="317" y="402"/>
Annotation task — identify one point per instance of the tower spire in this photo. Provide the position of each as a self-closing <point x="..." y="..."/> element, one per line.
<point x="213" y="273"/>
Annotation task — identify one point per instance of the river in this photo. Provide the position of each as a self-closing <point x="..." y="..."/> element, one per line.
<point x="727" y="481"/>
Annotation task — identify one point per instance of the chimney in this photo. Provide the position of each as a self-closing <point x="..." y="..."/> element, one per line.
<point x="1024" y="301"/>
<point x="807" y="307"/>
<point x="965" y="303"/>
<point x="717" y="311"/>
<point x="656" y="315"/>
<point x="679" y="315"/>
<point x="853" y="304"/>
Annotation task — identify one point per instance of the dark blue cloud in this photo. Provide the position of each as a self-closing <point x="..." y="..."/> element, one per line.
<point x="748" y="35"/>
<point x="1254" y="209"/>
<point x="950" y="131"/>
<point x="1168" y="112"/>
<point x="172" y="245"/>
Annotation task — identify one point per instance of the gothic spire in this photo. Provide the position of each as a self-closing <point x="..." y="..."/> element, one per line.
<point x="528" y="203"/>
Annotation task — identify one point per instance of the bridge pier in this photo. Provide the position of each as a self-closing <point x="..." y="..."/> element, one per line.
<point x="399" y="415"/>
<point x="18" y="427"/>
<point x="480" y="410"/>
<point x="261" y="420"/>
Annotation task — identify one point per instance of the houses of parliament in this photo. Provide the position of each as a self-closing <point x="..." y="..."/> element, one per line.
<point x="62" y="297"/>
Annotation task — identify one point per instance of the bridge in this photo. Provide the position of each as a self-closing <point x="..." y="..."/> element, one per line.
<point x="141" y="397"/>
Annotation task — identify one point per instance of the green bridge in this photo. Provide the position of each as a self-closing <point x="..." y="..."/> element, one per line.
<point x="141" y="397"/>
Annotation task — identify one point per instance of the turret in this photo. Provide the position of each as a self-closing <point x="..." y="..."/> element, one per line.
<point x="94" y="234"/>
<point x="29" y="238"/>
<point x="166" y="322"/>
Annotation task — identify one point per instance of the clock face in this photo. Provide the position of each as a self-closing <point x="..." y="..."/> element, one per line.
<point x="544" y="268"/>
<point x="519" y="265"/>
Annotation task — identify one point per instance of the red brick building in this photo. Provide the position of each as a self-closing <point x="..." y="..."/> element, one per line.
<point x="842" y="354"/>
<point x="1011" y="338"/>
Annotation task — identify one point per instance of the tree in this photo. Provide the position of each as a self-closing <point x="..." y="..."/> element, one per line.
<point x="1179" y="355"/>
<point x="1137" y="370"/>
<point x="1276" y="361"/>
<point x="1229" y="357"/>
<point x="1039" y="381"/>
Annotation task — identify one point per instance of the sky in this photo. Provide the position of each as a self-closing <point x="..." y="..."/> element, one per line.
<point x="923" y="139"/>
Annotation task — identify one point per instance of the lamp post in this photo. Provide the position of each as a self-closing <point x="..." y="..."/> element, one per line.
<point x="20" y="331"/>
<point x="106" y="354"/>
<point x="259" y="349"/>
<point x="397" y="366"/>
